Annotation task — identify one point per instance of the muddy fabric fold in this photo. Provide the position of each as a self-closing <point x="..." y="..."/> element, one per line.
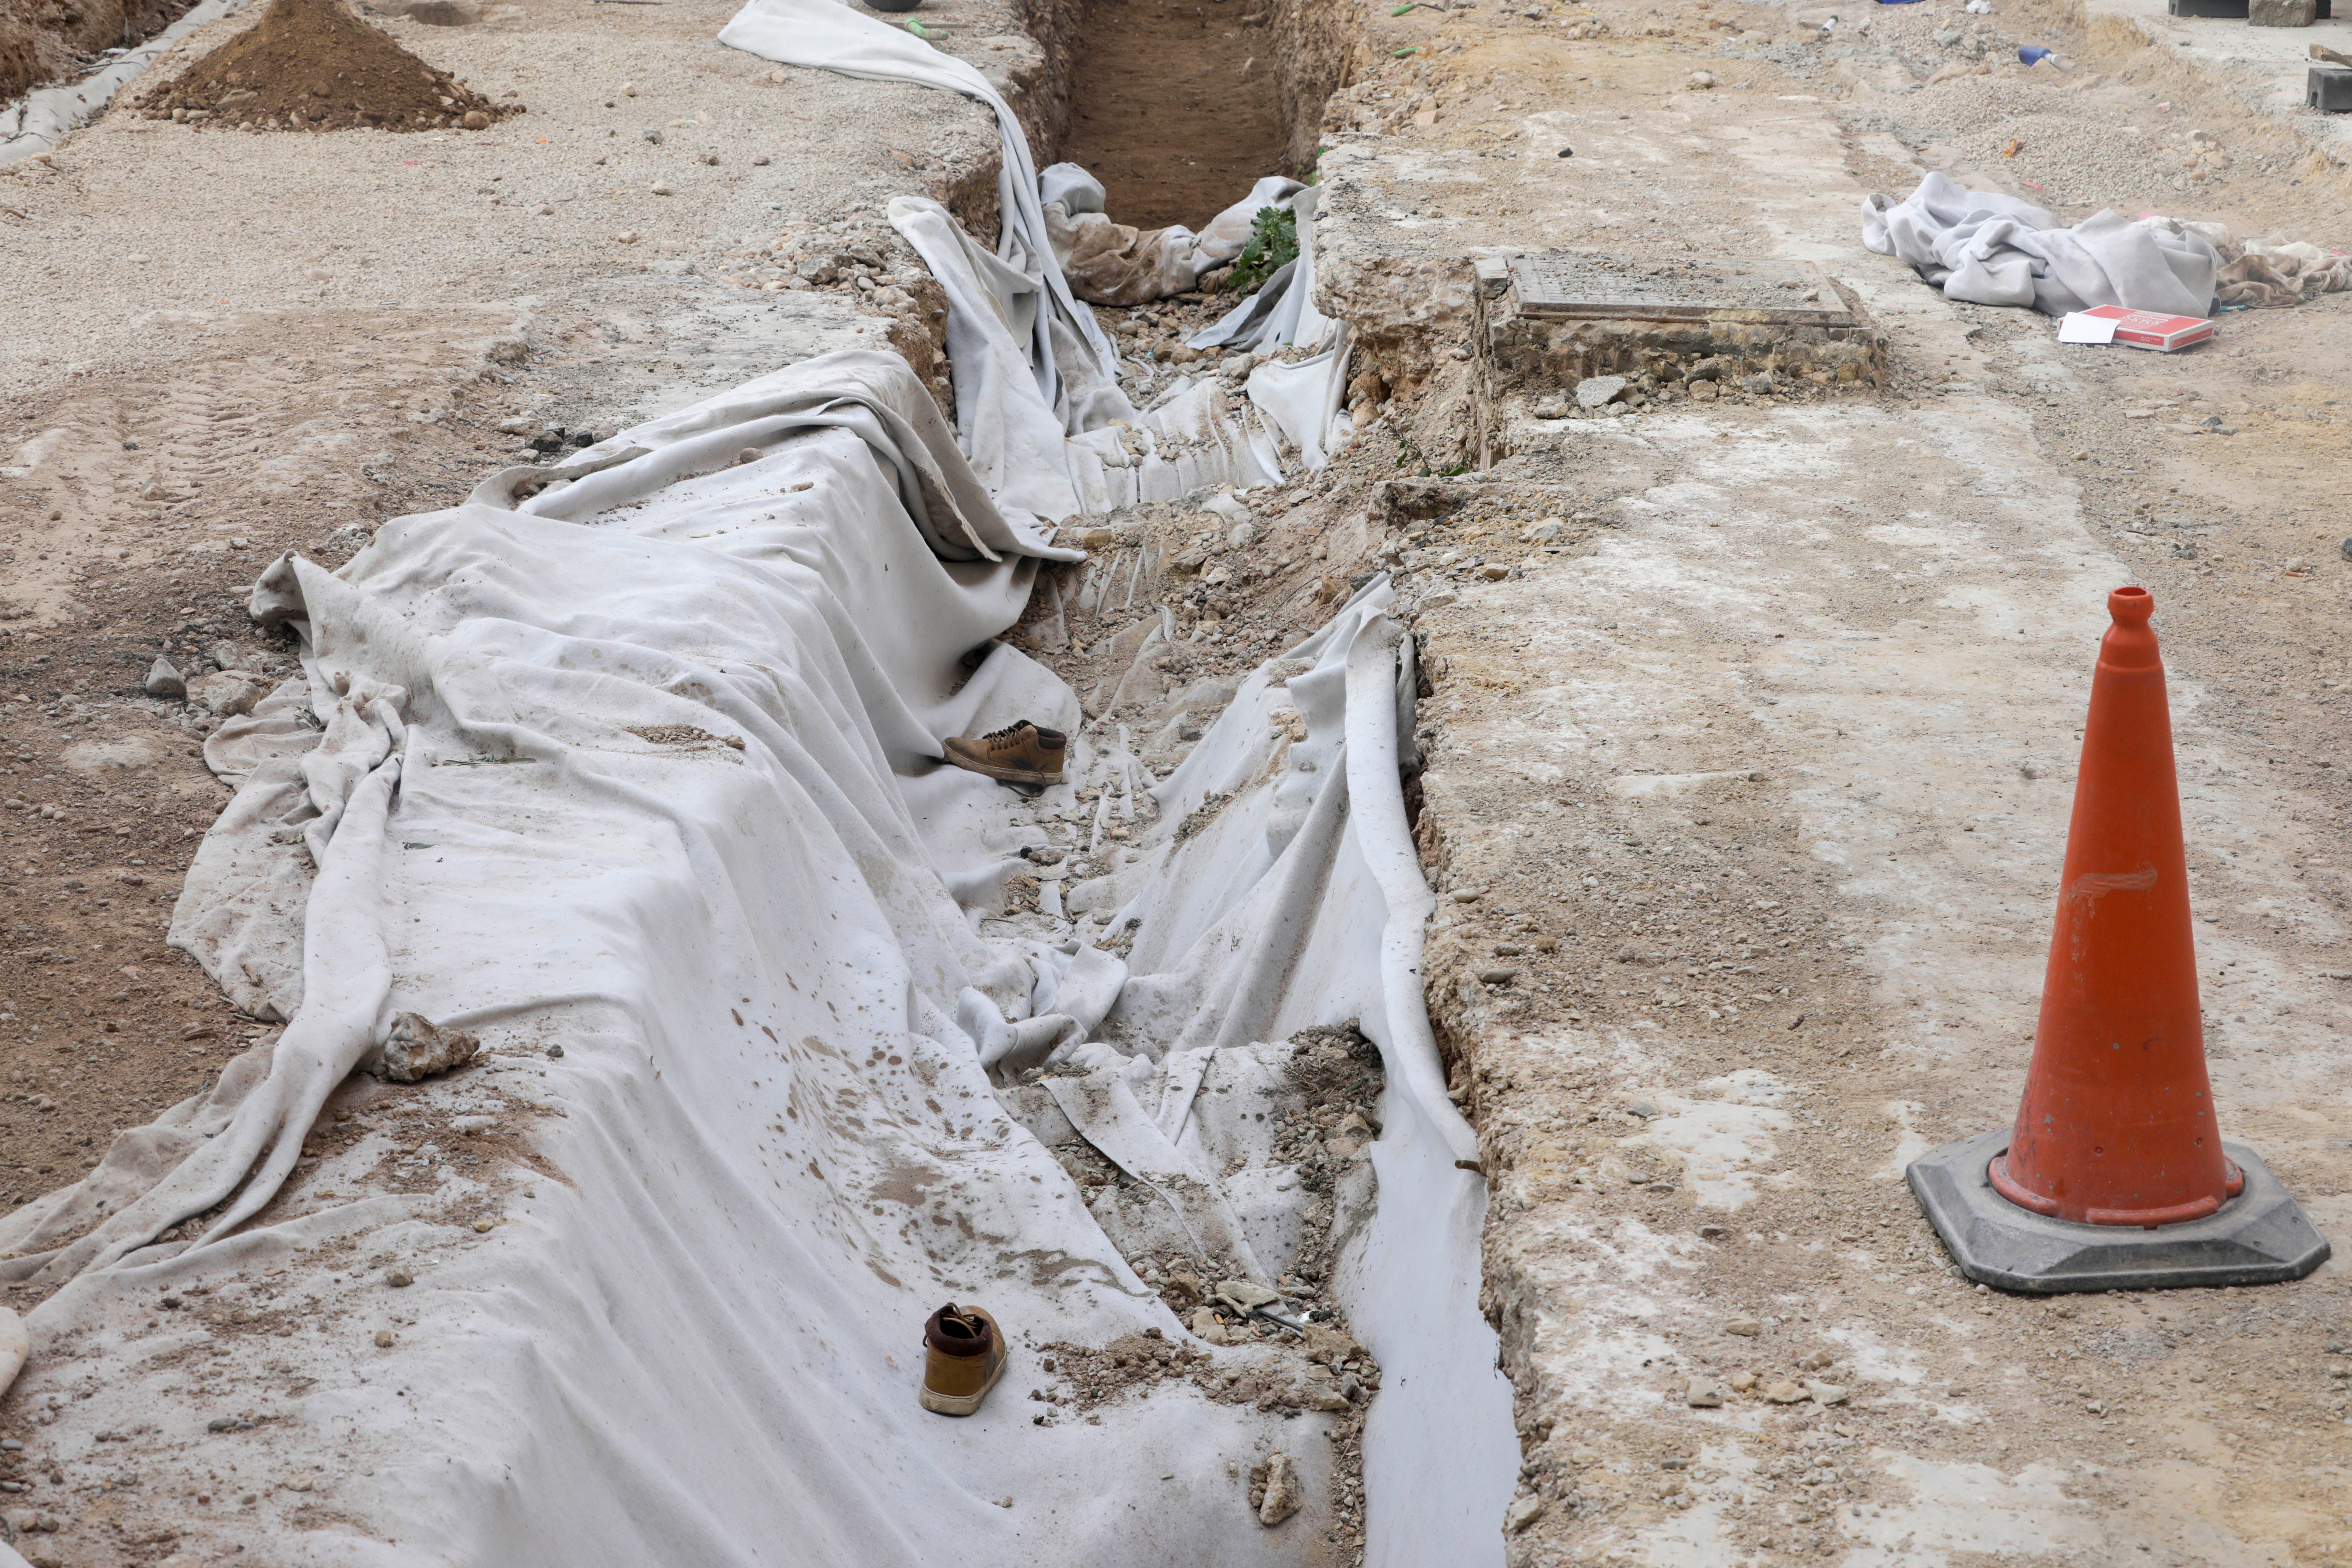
<point x="1994" y="249"/>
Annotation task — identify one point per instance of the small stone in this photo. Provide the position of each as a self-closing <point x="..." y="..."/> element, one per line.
<point x="1498" y="976"/>
<point x="1523" y="1512"/>
<point x="628" y="90"/>
<point x="418" y="1048"/>
<point x="483" y="1226"/>
<point x="1243" y="1294"/>
<point x="1494" y="570"/>
<point x="1508" y="950"/>
<point x="1281" y="1490"/>
<point x="1702" y="81"/>
<point x="554" y="1051"/>
<point x="1786" y="1393"/>
<point x="1702" y="1394"/>
<point x="1646" y="1109"/>
<point x="1209" y="1326"/>
<point x="1600" y="390"/>
<point x="1468" y="895"/>
<point x="1837" y="1394"/>
<point x="1743" y="1325"/>
<point x="400" y="1278"/>
<point x="383" y="1339"/>
<point x="220" y="1424"/>
<point x="1705" y="392"/>
<point x="1741" y="1381"/>
<point x="760" y="162"/>
<point x="1243" y="535"/>
<point x="660" y="188"/>
<point x="476" y="121"/>
<point x="164" y="680"/>
<point x="1550" y="408"/>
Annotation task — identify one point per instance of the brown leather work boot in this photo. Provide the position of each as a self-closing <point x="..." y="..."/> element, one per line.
<point x="965" y="1357"/>
<point x="1018" y="753"/>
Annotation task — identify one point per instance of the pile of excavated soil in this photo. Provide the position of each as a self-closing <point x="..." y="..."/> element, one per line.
<point x="310" y="65"/>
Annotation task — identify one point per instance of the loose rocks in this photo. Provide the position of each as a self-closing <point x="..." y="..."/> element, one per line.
<point x="1600" y="390"/>
<point x="163" y="680"/>
<point x="418" y="1048"/>
<point x="1274" y="1489"/>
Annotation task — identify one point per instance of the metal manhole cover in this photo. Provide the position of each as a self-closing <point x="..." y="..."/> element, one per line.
<point x="1591" y="284"/>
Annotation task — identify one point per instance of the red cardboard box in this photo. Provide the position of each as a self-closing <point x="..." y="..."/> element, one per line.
<point x="2145" y="330"/>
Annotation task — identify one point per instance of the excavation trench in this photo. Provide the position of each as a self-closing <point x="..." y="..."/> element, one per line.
<point x="1188" y="972"/>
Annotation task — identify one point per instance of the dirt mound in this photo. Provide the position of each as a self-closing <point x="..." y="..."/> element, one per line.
<point x="310" y="65"/>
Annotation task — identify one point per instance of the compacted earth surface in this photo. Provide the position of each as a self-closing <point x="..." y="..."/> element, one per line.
<point x="1749" y="711"/>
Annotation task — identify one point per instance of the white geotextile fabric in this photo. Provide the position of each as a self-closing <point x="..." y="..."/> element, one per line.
<point x="1109" y="263"/>
<point x="1074" y="365"/>
<point x="1038" y="405"/>
<point x="2263" y="273"/>
<point x="634" y="766"/>
<point x="1993" y="249"/>
<point x="1302" y="397"/>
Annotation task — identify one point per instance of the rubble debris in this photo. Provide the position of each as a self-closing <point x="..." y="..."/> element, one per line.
<point x="418" y="1048"/>
<point x="1273" y="1489"/>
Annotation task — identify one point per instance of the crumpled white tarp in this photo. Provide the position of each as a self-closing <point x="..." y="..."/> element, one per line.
<point x="2263" y="273"/>
<point x="1112" y="264"/>
<point x="1994" y="249"/>
<point x="633" y="764"/>
<point x="1032" y="368"/>
<point x="1302" y="395"/>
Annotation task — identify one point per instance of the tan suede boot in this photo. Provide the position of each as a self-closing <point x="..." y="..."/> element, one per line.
<point x="1018" y="753"/>
<point x="964" y="1357"/>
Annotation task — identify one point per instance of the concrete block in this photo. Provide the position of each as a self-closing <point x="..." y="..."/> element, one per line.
<point x="2282" y="13"/>
<point x="2328" y="89"/>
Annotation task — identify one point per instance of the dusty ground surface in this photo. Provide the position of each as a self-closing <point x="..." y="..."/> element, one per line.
<point x="1753" y="782"/>
<point x="1754" y="768"/>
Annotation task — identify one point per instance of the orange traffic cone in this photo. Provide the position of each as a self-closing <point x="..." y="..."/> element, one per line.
<point x="2117" y="1126"/>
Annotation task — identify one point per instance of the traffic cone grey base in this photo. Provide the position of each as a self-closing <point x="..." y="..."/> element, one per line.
<point x="2259" y="1237"/>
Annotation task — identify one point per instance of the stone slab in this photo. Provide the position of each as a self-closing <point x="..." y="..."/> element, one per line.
<point x="1568" y="285"/>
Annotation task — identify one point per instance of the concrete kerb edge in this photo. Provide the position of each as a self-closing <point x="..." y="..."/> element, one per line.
<point x="2259" y="1237"/>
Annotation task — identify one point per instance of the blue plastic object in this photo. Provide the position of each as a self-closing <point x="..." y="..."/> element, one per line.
<point x="2032" y="54"/>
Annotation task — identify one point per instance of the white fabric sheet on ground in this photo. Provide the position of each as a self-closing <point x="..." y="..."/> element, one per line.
<point x="1032" y="366"/>
<point x="2262" y="273"/>
<point x="635" y="768"/>
<point x="1994" y="249"/>
<point x="1300" y="396"/>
